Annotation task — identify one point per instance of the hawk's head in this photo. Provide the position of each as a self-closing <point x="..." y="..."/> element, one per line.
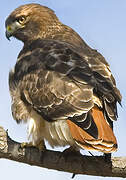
<point x="31" y="21"/>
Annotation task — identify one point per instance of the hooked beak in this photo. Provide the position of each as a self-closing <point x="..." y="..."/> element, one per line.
<point x="9" y="31"/>
<point x="8" y="35"/>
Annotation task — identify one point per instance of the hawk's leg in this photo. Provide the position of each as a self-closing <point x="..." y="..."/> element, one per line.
<point x="41" y="145"/>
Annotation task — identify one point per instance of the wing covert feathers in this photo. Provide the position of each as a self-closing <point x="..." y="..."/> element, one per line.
<point x="106" y="141"/>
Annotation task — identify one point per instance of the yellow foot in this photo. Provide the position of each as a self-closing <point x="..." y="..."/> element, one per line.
<point x="26" y="144"/>
<point x="41" y="145"/>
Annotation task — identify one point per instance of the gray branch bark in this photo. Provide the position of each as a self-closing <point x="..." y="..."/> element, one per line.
<point x="73" y="163"/>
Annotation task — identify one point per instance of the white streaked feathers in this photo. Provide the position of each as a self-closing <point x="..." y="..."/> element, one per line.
<point x="57" y="133"/>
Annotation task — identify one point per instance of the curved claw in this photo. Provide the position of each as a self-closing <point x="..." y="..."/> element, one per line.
<point x="41" y="145"/>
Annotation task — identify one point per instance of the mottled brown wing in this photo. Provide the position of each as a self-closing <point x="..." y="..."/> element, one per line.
<point x="59" y="82"/>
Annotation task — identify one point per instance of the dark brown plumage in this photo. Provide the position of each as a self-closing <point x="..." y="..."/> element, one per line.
<point x="59" y="85"/>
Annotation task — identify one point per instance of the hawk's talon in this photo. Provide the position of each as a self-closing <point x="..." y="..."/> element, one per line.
<point x="41" y="145"/>
<point x="26" y="144"/>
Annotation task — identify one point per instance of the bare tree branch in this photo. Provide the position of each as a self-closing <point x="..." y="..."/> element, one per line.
<point x="74" y="163"/>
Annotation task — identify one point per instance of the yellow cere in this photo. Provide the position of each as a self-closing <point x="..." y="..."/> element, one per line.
<point x="9" y="28"/>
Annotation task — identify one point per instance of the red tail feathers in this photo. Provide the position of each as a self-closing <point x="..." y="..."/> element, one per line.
<point x="106" y="141"/>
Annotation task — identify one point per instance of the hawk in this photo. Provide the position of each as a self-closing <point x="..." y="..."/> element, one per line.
<point x="63" y="89"/>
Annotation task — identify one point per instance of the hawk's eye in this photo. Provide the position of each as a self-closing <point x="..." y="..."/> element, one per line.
<point x="21" y="20"/>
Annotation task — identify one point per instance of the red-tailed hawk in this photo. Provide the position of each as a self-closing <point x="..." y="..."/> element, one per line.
<point x="60" y="86"/>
